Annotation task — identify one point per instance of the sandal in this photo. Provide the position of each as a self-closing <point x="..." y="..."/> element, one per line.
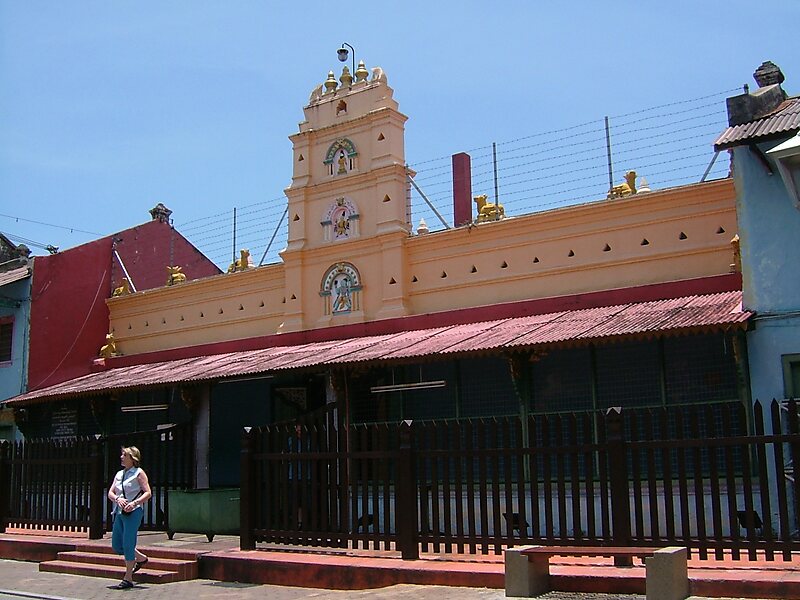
<point x="139" y="564"/>
<point x="124" y="585"/>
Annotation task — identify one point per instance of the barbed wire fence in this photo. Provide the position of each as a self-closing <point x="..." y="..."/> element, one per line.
<point x="667" y="145"/>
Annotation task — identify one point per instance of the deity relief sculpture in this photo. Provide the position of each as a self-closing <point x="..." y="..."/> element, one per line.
<point x="488" y="211"/>
<point x="342" y="302"/>
<point x="342" y="226"/>
<point x="174" y="275"/>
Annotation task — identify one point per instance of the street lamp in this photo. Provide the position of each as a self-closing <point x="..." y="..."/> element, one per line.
<point x="343" y="52"/>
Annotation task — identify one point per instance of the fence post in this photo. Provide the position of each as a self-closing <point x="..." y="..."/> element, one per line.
<point x="5" y="484"/>
<point x="620" y="493"/>
<point x="407" y="522"/>
<point x="246" y="505"/>
<point x="96" y="491"/>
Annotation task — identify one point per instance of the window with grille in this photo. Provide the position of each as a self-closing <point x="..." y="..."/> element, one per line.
<point x="562" y="381"/>
<point x="699" y="369"/>
<point x="791" y="375"/>
<point x="486" y="388"/>
<point x="628" y="374"/>
<point x="6" y="337"/>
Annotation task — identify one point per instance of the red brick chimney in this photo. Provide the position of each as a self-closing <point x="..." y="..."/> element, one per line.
<point x="462" y="189"/>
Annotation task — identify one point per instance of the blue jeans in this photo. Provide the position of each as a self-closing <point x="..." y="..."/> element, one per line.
<point x="123" y="534"/>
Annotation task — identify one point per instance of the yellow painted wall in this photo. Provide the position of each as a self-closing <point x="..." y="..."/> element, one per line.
<point x="402" y="273"/>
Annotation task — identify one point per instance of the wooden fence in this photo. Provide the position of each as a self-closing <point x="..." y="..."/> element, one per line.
<point x="685" y="476"/>
<point x="61" y="485"/>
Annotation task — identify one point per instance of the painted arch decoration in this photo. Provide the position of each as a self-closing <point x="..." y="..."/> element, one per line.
<point x="341" y="157"/>
<point x="340" y="221"/>
<point x="341" y="289"/>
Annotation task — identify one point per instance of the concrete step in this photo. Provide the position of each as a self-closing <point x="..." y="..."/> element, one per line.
<point x="108" y="571"/>
<point x="186" y="569"/>
<point x="104" y="547"/>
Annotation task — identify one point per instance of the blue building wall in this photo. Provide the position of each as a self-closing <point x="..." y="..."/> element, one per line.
<point x="769" y="232"/>
<point x="12" y="375"/>
<point x="769" y="228"/>
<point x="14" y="302"/>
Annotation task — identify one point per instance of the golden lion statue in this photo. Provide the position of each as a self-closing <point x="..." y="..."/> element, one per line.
<point x="175" y="276"/>
<point x="624" y="189"/>
<point x="110" y="347"/>
<point x="122" y="290"/>
<point x="243" y="263"/>
<point x="488" y="211"/>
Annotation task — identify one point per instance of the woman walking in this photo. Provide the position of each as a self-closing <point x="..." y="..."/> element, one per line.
<point x="129" y="491"/>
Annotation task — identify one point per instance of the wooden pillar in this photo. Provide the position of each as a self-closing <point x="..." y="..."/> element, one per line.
<point x="247" y="501"/>
<point x="5" y="484"/>
<point x="97" y="490"/>
<point x="523" y="385"/>
<point x="620" y="494"/>
<point x="406" y="496"/>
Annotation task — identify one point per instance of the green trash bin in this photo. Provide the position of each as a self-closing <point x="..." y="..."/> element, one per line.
<point x="214" y="511"/>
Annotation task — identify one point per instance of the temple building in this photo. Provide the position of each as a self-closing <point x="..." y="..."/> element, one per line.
<point x="631" y="300"/>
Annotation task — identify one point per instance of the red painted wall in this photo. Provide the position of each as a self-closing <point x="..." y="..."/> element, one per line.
<point x="69" y="317"/>
<point x="146" y="251"/>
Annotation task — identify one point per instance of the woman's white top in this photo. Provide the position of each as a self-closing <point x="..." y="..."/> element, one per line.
<point x="126" y="484"/>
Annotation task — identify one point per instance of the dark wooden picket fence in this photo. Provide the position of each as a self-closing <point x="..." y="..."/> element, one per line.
<point x="168" y="459"/>
<point x="690" y="476"/>
<point x="61" y="485"/>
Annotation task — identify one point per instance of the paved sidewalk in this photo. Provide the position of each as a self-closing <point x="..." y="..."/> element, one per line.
<point x="25" y="577"/>
<point x="23" y="580"/>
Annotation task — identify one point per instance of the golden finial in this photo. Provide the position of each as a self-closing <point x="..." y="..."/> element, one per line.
<point x="346" y="78"/>
<point x="330" y="83"/>
<point x="361" y="72"/>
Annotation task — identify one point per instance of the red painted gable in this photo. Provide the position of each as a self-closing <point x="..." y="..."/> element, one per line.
<point x="69" y="316"/>
<point x="146" y="251"/>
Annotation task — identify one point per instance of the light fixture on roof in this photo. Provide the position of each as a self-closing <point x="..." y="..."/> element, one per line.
<point x="343" y="52"/>
<point x="243" y="379"/>
<point x="144" y="408"/>
<point x="401" y="387"/>
<point x="787" y="157"/>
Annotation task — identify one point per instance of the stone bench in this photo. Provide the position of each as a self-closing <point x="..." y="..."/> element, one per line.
<point x="527" y="568"/>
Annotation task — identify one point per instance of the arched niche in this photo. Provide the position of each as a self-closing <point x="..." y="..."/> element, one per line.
<point x="341" y="289"/>
<point x="341" y="157"/>
<point x="340" y="221"/>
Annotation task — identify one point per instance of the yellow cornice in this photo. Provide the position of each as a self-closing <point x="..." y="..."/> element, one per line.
<point x="341" y="186"/>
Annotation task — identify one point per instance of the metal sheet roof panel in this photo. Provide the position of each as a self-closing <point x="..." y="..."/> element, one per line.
<point x="678" y="314"/>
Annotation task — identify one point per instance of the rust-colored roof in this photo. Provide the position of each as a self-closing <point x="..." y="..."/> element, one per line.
<point x="14" y="275"/>
<point x="661" y="317"/>
<point x="783" y="120"/>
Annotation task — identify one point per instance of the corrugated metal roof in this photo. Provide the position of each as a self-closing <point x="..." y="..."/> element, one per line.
<point x="785" y="119"/>
<point x="14" y="275"/>
<point x="691" y="313"/>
